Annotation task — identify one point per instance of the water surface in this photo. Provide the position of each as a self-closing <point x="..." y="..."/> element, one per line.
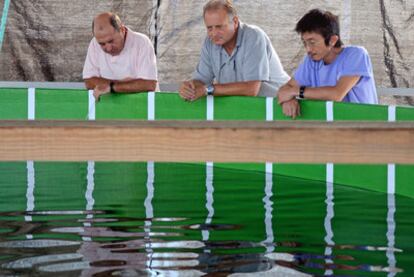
<point x="139" y="219"/>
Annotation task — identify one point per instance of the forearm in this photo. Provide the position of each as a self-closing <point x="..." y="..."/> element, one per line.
<point x="332" y="93"/>
<point x="91" y="83"/>
<point x="324" y="93"/>
<point x="250" y="88"/>
<point x="137" y="85"/>
<point x="319" y="93"/>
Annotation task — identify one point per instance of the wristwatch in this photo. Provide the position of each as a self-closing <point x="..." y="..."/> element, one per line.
<point x="302" y="92"/>
<point x="111" y="87"/>
<point x="210" y="90"/>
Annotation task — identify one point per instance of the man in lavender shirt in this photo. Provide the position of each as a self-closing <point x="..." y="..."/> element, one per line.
<point x="118" y="59"/>
<point x="330" y="71"/>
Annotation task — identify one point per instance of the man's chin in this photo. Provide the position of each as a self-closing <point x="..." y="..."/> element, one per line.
<point x="315" y="58"/>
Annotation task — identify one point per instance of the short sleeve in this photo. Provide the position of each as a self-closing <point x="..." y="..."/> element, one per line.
<point x="90" y="68"/>
<point x="303" y="74"/>
<point x="356" y="63"/>
<point x="256" y="62"/>
<point x="146" y="63"/>
<point x="204" y="70"/>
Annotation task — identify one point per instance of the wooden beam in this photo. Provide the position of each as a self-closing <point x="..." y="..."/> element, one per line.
<point x="219" y="141"/>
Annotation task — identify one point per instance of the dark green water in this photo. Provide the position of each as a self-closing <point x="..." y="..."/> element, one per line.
<point x="139" y="219"/>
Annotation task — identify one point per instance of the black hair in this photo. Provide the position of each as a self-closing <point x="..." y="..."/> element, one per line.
<point x="322" y="22"/>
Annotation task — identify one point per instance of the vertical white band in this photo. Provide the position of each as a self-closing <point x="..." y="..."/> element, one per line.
<point x="210" y="107"/>
<point x="392" y="113"/>
<point x="392" y="117"/>
<point x="391" y="167"/>
<point x="90" y="201"/>
<point x="149" y="211"/>
<point x="328" y="222"/>
<point x="269" y="108"/>
<point x="329" y="111"/>
<point x="31" y="104"/>
<point x="151" y="105"/>
<point x="30" y="189"/>
<point x="209" y="198"/>
<point x="92" y="107"/>
<point x="268" y="205"/>
<point x="392" y="262"/>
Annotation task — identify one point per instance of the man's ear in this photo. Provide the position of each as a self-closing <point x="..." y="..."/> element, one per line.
<point x="333" y="40"/>
<point x="235" y="20"/>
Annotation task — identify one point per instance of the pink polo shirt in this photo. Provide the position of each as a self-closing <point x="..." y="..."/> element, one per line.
<point x="136" y="60"/>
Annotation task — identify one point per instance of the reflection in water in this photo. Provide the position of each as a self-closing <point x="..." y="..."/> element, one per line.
<point x="238" y="229"/>
<point x="329" y="216"/>
<point x="29" y="193"/>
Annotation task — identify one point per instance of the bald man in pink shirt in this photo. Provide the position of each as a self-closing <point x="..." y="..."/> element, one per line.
<point x="118" y="59"/>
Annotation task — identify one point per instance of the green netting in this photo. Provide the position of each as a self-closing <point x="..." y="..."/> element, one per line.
<point x="189" y="182"/>
<point x="287" y="193"/>
<point x="169" y="106"/>
<point x="403" y="234"/>
<point x="227" y="204"/>
<point x="122" y="106"/>
<point x="247" y="108"/>
<point x="405" y="114"/>
<point x="118" y="186"/>
<point x="352" y="224"/>
<point x="13" y="104"/>
<point x="360" y="112"/>
<point x="47" y="186"/>
<point x="13" y="182"/>
<point x="61" y="104"/>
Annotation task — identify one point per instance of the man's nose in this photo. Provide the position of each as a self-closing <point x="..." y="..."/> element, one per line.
<point x="307" y="47"/>
<point x="108" y="47"/>
<point x="213" y="32"/>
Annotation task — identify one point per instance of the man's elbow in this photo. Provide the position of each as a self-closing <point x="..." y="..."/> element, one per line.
<point x="338" y="96"/>
<point x="152" y="85"/>
<point x="88" y="84"/>
<point x="254" y="88"/>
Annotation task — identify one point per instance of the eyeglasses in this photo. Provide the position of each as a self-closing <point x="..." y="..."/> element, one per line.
<point x="311" y="43"/>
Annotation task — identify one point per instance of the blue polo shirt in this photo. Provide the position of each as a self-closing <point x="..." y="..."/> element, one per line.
<point x="253" y="59"/>
<point x="352" y="61"/>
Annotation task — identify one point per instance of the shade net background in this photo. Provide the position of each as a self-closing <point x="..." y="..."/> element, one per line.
<point x="46" y="40"/>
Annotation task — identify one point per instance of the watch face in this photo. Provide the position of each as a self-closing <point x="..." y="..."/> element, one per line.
<point x="210" y="90"/>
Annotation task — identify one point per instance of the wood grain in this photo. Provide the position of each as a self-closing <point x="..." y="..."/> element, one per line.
<point x="219" y="141"/>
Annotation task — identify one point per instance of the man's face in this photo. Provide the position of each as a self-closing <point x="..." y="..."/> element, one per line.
<point x="220" y="29"/>
<point x="110" y="40"/>
<point x="315" y="46"/>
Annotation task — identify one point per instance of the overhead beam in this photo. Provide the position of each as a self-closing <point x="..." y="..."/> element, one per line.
<point x="219" y="141"/>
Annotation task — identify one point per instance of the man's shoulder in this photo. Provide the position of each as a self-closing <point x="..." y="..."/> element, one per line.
<point x="138" y="37"/>
<point x="251" y="30"/>
<point x="355" y="50"/>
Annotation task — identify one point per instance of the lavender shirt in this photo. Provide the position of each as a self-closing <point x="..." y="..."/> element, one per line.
<point x="352" y="61"/>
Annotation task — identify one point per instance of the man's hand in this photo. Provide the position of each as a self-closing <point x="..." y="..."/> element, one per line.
<point x="291" y="108"/>
<point x="287" y="93"/>
<point x="100" y="90"/>
<point x="192" y="90"/>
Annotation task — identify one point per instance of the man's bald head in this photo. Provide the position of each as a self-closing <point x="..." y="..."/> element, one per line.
<point x="106" y="20"/>
<point x="109" y="32"/>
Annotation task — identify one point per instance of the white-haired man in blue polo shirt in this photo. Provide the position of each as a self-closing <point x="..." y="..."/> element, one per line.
<point x="236" y="58"/>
